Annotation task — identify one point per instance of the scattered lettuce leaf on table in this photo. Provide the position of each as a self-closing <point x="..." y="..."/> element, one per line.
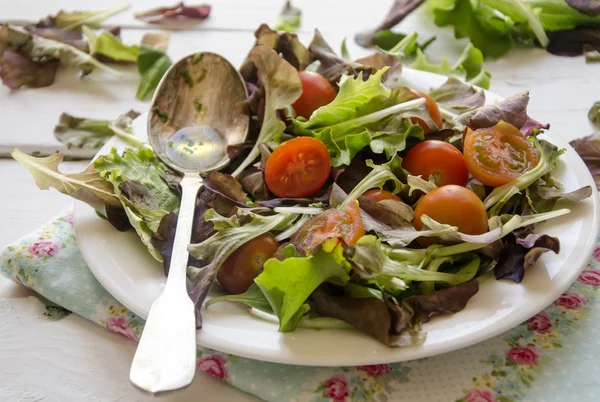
<point x="87" y="186"/>
<point x="289" y="18"/>
<point x="152" y="65"/>
<point x="469" y="66"/>
<point x="42" y="49"/>
<point x="588" y="149"/>
<point x="177" y="13"/>
<point x="17" y="70"/>
<point x="80" y="132"/>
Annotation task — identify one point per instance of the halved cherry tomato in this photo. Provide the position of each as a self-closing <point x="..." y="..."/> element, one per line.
<point x="434" y="112"/>
<point x="298" y="168"/>
<point x="499" y="154"/>
<point x="316" y="92"/>
<point x="438" y="160"/>
<point x="239" y="269"/>
<point x="333" y="223"/>
<point x="380" y="195"/>
<point x="452" y="205"/>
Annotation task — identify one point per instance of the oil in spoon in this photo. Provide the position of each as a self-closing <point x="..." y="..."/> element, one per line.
<point x="197" y="147"/>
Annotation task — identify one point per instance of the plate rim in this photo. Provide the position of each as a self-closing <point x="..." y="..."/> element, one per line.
<point x="509" y="322"/>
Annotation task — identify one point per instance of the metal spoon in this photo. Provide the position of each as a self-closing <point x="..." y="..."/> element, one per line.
<point x="192" y="120"/>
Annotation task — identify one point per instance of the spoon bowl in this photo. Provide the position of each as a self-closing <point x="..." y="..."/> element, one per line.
<point x="192" y="120"/>
<point x="193" y="115"/>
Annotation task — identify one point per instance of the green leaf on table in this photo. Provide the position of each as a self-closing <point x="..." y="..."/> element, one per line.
<point x="152" y="65"/>
<point x="387" y="40"/>
<point x="87" y="186"/>
<point x="594" y="114"/>
<point x="282" y="87"/>
<point x="287" y="284"/>
<point x="289" y="18"/>
<point x="43" y="49"/>
<point x="108" y="45"/>
<point x="80" y="132"/>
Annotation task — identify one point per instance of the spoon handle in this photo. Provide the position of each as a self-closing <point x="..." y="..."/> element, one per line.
<point x="165" y="358"/>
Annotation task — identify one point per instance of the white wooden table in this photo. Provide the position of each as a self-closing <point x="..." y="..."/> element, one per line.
<point x="72" y="359"/>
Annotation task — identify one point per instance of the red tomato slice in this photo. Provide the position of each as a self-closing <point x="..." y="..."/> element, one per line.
<point x="333" y="223"/>
<point x="298" y="168"/>
<point x="499" y="154"/>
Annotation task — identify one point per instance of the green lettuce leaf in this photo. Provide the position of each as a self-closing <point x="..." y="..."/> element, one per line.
<point x="253" y="297"/>
<point x="289" y="18"/>
<point x="362" y="111"/>
<point x="377" y="178"/>
<point x="231" y="233"/>
<point x="152" y="65"/>
<point x="282" y="87"/>
<point x="81" y="132"/>
<point x="108" y="45"/>
<point x="468" y="67"/>
<point x="287" y="284"/>
<point x="373" y="265"/>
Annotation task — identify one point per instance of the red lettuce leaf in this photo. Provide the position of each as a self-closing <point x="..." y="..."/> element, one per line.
<point x="17" y="70"/>
<point x="178" y="12"/>
<point x="587" y="7"/>
<point x="588" y="149"/>
<point x="400" y="9"/>
<point x="518" y="254"/>
<point x="574" y="42"/>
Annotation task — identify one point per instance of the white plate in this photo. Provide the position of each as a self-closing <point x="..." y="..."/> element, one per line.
<point x="123" y="266"/>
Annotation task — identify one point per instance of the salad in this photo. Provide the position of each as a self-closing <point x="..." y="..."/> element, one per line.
<point x="357" y="202"/>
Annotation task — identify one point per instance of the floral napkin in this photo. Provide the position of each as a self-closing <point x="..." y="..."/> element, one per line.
<point x="553" y="356"/>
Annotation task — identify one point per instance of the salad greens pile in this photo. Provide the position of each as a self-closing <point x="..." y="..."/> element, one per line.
<point x="563" y="27"/>
<point x="338" y="229"/>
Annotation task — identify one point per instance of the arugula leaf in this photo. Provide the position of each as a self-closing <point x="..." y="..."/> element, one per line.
<point x="87" y="186"/>
<point x="373" y="265"/>
<point x="287" y="284"/>
<point x="543" y="198"/>
<point x="469" y="66"/>
<point x="42" y="49"/>
<point x="253" y="297"/>
<point x="377" y="177"/>
<point x="282" y="87"/>
<point x="231" y="233"/>
<point x="289" y="18"/>
<point x="152" y="65"/>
